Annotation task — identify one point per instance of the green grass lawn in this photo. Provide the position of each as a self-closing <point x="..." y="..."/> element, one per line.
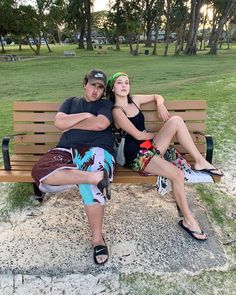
<point x="53" y="77"/>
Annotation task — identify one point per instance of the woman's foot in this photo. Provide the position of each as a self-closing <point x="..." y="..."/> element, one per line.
<point x="100" y="252"/>
<point x="207" y="167"/>
<point x="194" y="230"/>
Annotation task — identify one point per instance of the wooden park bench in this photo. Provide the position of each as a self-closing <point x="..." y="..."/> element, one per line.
<point x="9" y="57"/>
<point x="35" y="134"/>
<point x="69" y="53"/>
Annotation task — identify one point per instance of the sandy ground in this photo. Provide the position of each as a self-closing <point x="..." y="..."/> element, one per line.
<point x="45" y="249"/>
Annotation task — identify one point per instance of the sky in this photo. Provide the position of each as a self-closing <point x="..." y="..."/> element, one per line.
<point x="100" y="5"/>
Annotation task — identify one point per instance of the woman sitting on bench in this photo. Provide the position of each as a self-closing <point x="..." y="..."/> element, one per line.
<point x="144" y="151"/>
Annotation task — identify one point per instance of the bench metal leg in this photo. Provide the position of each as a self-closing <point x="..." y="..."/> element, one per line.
<point x="38" y="195"/>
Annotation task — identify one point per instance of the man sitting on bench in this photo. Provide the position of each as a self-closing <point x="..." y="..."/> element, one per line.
<point x="84" y="156"/>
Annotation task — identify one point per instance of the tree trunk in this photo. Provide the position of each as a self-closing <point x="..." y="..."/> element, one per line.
<point x="167" y="33"/>
<point x="213" y="27"/>
<point x="222" y="21"/>
<point x="117" y="25"/>
<point x="136" y="52"/>
<point x="81" y="38"/>
<point x="89" y="25"/>
<point x="203" y="30"/>
<point x="58" y="36"/>
<point x="127" y="29"/>
<point x="20" y="42"/>
<point x="179" y="39"/>
<point x="191" y="46"/>
<point x="3" y="49"/>
<point x="227" y="34"/>
<point x="49" y="49"/>
<point x="154" y="52"/>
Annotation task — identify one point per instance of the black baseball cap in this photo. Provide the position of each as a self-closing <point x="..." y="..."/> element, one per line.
<point x="97" y="76"/>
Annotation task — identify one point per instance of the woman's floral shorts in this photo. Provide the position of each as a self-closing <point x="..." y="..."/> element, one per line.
<point x="147" y="151"/>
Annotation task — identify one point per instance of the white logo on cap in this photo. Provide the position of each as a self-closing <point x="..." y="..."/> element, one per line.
<point x="98" y="75"/>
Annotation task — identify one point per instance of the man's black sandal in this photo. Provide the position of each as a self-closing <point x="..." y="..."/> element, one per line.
<point x="98" y="251"/>
<point x="105" y="184"/>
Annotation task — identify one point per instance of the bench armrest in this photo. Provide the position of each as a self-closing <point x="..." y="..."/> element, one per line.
<point x="5" y="150"/>
<point x="209" y="145"/>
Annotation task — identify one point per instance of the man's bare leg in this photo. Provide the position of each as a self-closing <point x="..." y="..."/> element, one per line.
<point x="73" y="176"/>
<point x="95" y="214"/>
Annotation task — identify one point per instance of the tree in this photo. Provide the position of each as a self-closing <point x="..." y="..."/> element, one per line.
<point x="26" y="21"/>
<point x="117" y="23"/>
<point x="223" y="10"/>
<point x="149" y="17"/>
<point x="55" y="18"/>
<point x="88" y="16"/>
<point x="168" y="16"/>
<point x="159" y="10"/>
<point x="191" y="46"/>
<point x="76" y="19"/>
<point x="7" y="23"/>
<point x="179" y="23"/>
<point x="204" y="22"/>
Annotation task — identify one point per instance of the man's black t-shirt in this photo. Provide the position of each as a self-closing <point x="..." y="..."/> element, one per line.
<point x="74" y="138"/>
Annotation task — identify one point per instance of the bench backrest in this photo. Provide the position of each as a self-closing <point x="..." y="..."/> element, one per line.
<point x="37" y="120"/>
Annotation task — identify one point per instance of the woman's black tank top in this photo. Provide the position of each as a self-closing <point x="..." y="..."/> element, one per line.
<point x="131" y="144"/>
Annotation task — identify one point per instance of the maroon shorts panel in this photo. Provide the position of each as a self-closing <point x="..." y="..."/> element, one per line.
<point x="51" y="161"/>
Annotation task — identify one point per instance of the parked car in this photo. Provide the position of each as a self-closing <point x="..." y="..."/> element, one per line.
<point x="3" y="41"/>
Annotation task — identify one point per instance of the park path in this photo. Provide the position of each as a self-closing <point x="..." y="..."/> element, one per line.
<point x="47" y="247"/>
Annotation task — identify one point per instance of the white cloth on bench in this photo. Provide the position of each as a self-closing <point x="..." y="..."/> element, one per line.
<point x="190" y="176"/>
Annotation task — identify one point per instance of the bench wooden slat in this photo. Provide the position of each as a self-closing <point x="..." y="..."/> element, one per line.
<point x="32" y="149"/>
<point x="53" y="137"/>
<point x="37" y="138"/>
<point x="24" y="158"/>
<point x="15" y="176"/>
<point x="178" y="105"/>
<point x="21" y="167"/>
<point x="192" y="126"/>
<point x="191" y="116"/>
<point x="35" y="106"/>
<point x="33" y="117"/>
<point x="35" y="128"/>
<point x="54" y="106"/>
<point x="22" y="163"/>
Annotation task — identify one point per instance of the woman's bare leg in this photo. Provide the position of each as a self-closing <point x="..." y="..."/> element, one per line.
<point x="159" y="166"/>
<point x="175" y="126"/>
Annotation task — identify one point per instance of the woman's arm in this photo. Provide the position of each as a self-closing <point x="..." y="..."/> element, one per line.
<point x="162" y="110"/>
<point x="121" y="121"/>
